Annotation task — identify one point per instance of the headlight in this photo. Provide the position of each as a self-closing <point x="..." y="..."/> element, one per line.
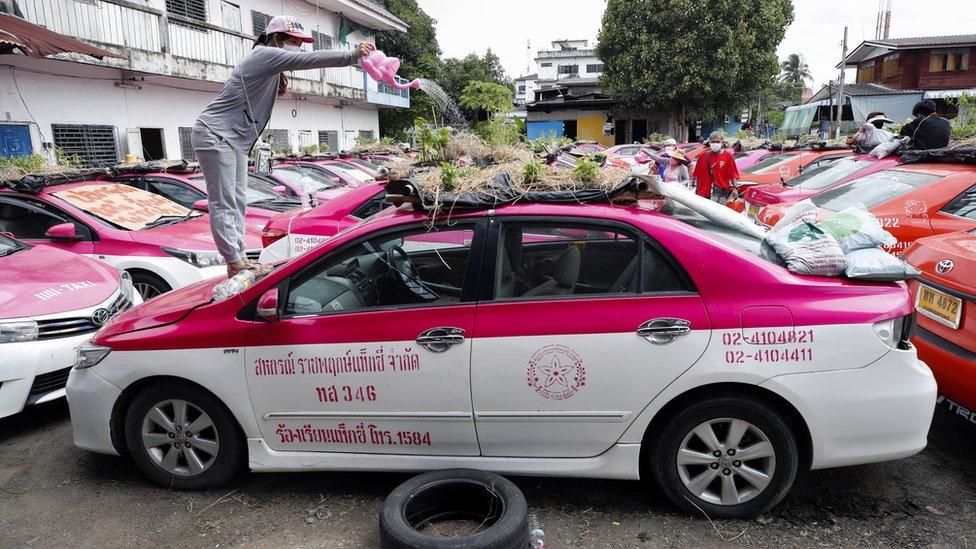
<point x="896" y="332"/>
<point x="14" y="332"/>
<point x="196" y="258"/>
<point x="90" y="355"/>
<point x="127" y="289"/>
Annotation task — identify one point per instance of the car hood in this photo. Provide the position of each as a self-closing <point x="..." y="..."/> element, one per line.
<point x="191" y="235"/>
<point x="162" y="310"/>
<point x="44" y="280"/>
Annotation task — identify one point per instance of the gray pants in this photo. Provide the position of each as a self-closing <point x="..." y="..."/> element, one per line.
<point x="225" y="172"/>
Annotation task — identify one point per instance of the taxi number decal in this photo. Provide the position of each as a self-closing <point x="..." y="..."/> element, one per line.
<point x="767" y="337"/>
<point x="345" y="393"/>
<point x="360" y="434"/>
<point x="763" y="356"/>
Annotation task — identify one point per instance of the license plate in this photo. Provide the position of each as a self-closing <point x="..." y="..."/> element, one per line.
<point x="939" y="306"/>
<point x="753" y="211"/>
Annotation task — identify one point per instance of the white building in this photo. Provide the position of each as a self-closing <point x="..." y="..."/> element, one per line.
<point x="569" y="61"/>
<point x="175" y="55"/>
<point x="525" y="89"/>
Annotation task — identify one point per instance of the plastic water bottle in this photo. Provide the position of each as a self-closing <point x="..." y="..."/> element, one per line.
<point x="537" y="538"/>
<point x="233" y="285"/>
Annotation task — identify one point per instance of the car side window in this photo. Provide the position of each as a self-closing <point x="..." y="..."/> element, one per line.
<point x="372" y="206"/>
<point x="963" y="205"/>
<point x="25" y="221"/>
<point x="181" y="194"/>
<point x="417" y="267"/>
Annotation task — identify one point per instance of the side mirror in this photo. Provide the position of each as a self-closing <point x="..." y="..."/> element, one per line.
<point x="280" y="189"/>
<point x="268" y="305"/>
<point x="201" y="205"/>
<point x="62" y="231"/>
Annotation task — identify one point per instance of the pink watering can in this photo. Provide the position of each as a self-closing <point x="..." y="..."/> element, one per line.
<point x="384" y="69"/>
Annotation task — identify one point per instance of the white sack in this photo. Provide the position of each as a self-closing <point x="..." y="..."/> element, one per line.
<point x="877" y="264"/>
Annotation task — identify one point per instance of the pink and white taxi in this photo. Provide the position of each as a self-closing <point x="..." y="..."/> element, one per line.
<point x="535" y="339"/>
<point x="51" y="302"/>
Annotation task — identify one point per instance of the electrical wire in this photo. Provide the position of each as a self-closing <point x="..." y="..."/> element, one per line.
<point x="13" y="76"/>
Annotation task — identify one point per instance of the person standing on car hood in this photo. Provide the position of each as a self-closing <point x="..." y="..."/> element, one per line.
<point x="229" y="127"/>
<point x="715" y="173"/>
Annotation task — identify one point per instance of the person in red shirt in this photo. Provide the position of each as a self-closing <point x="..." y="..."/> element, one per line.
<point x="716" y="176"/>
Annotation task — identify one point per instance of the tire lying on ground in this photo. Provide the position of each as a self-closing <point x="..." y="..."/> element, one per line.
<point x="477" y="497"/>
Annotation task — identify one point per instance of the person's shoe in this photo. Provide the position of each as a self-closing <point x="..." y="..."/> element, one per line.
<point x="236" y="267"/>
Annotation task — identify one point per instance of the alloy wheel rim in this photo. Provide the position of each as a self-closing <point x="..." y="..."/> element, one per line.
<point x="726" y="461"/>
<point x="180" y="438"/>
<point x="147" y="291"/>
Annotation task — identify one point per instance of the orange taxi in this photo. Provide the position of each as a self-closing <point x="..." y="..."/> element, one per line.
<point x="780" y="168"/>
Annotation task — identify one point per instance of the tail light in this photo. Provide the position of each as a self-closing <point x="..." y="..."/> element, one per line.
<point x="269" y="236"/>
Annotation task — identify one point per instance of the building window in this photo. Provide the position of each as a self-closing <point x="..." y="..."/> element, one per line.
<point x="95" y="144"/>
<point x="328" y="141"/>
<point x="322" y="41"/>
<point x="521" y="88"/>
<point x="891" y="66"/>
<point x="259" y="22"/>
<point x="568" y="69"/>
<point x="191" y="9"/>
<point x="366" y="135"/>
<point x="949" y="60"/>
<point x="546" y="65"/>
<point x="279" y="141"/>
<point x="591" y="69"/>
<point x="865" y="73"/>
<point x="186" y="148"/>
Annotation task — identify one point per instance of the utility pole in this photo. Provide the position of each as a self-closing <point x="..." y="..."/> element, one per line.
<point x="840" y="93"/>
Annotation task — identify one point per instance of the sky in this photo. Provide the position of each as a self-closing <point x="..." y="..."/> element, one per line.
<point x="468" y="26"/>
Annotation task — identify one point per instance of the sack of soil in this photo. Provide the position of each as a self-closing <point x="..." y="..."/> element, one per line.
<point x="877" y="265"/>
<point x="856" y="228"/>
<point x="806" y="248"/>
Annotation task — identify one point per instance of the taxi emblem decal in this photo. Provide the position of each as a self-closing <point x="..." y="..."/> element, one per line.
<point x="944" y="266"/>
<point x="556" y="372"/>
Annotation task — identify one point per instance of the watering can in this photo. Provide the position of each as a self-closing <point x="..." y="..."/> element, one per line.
<point x="384" y="69"/>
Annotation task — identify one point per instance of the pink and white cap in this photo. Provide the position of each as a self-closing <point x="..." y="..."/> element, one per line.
<point x="290" y="26"/>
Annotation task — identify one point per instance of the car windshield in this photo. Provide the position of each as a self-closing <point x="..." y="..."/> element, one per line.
<point x="355" y="175"/>
<point x="825" y="176"/>
<point x="9" y="245"/>
<point x="767" y="164"/>
<point x="873" y="189"/>
<point x="365" y="164"/>
<point x="125" y="207"/>
<point x="257" y="191"/>
<point x="309" y="180"/>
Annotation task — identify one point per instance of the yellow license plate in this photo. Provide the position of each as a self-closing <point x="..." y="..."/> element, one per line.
<point x="939" y="306"/>
<point x="753" y="211"/>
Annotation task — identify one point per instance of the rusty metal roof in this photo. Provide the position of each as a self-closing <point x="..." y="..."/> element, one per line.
<point x="17" y="34"/>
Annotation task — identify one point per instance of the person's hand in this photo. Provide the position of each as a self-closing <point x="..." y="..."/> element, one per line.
<point x="365" y="48"/>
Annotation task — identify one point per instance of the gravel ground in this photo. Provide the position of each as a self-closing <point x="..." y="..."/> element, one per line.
<point x="52" y="494"/>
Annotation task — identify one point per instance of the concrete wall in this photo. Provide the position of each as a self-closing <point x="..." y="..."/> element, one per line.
<point x="87" y="94"/>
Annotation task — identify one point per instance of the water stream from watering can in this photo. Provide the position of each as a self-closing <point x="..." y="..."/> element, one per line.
<point x="448" y="109"/>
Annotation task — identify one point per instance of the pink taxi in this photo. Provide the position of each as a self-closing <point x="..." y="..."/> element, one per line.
<point x="160" y="243"/>
<point x="51" y="301"/>
<point x="560" y="340"/>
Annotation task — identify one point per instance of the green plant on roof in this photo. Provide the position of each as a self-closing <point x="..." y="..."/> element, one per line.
<point x="586" y="171"/>
<point x="450" y="174"/>
<point x="309" y="150"/>
<point x="14" y="166"/>
<point x="534" y="171"/>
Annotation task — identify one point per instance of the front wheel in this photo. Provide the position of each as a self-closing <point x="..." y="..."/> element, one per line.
<point x="726" y="457"/>
<point x="182" y="437"/>
<point x="149" y="285"/>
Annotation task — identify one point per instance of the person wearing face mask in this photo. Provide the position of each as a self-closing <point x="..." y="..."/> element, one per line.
<point x="673" y="164"/>
<point x="868" y="136"/>
<point x="227" y="130"/>
<point x="715" y="174"/>
<point x="928" y="130"/>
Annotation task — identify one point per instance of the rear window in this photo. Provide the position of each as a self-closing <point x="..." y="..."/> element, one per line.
<point x="873" y="189"/>
<point x="766" y="164"/>
<point x="829" y="174"/>
<point x="732" y="236"/>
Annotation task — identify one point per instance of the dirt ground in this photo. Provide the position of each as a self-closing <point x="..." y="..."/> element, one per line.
<point x="54" y="495"/>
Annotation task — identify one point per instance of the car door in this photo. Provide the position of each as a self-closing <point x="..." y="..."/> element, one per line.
<point x="372" y="350"/>
<point x="582" y="323"/>
<point x="29" y="220"/>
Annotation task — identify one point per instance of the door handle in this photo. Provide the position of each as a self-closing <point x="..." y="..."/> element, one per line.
<point x="438" y="340"/>
<point x="663" y="330"/>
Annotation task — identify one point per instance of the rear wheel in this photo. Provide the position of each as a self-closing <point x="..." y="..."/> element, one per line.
<point x="182" y="437"/>
<point x="149" y="285"/>
<point x="727" y="457"/>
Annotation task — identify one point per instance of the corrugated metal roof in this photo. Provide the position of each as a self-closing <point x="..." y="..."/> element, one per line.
<point x="37" y="41"/>
<point x="922" y="41"/>
<point x="859" y="90"/>
<point x="374" y="7"/>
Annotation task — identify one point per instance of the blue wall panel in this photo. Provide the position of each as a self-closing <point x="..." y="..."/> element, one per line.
<point x="544" y="129"/>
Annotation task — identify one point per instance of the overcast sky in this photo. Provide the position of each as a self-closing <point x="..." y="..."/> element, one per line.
<point x="465" y="26"/>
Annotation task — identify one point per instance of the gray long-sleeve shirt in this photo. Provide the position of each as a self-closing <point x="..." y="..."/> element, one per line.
<point x="228" y="115"/>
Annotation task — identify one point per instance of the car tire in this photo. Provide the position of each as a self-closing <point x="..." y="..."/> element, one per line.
<point x="459" y="494"/>
<point x="149" y="285"/>
<point x="175" y="456"/>
<point x="699" y="485"/>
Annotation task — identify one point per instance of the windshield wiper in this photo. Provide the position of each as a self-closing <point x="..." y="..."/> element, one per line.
<point x="5" y="253"/>
<point x="169" y="220"/>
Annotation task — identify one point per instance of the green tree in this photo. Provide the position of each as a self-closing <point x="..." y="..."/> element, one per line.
<point x="419" y="55"/>
<point x="486" y="96"/>
<point x="458" y="73"/>
<point x="794" y="70"/>
<point x="690" y="59"/>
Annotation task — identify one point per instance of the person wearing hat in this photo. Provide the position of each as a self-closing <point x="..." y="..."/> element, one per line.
<point x="716" y="174"/>
<point x="227" y="130"/>
<point x="868" y="137"/>
<point x="673" y="164"/>
<point x="928" y="130"/>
